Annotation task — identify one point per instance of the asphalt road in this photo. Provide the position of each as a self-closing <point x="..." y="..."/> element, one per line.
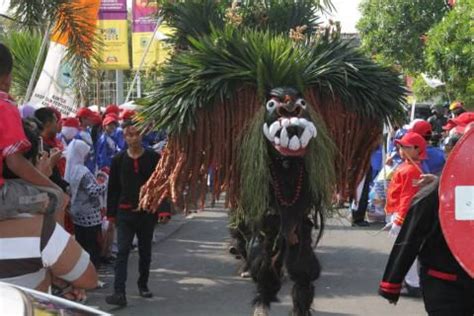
<point x="193" y="274"/>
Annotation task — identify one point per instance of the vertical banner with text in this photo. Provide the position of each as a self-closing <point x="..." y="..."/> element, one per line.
<point x="143" y="25"/>
<point x="55" y="84"/>
<point x="113" y="30"/>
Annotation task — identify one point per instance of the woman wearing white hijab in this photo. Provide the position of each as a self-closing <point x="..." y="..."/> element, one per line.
<point x="85" y="194"/>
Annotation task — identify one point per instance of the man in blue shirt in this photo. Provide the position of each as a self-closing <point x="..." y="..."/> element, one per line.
<point x="435" y="162"/>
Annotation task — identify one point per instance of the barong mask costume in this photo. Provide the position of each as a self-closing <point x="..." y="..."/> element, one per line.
<point x="281" y="122"/>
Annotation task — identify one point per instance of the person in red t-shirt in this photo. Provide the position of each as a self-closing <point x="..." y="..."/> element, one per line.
<point x="13" y="141"/>
<point x="400" y="193"/>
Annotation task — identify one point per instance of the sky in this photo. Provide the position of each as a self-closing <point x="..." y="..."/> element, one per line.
<point x="4" y="5"/>
<point x="347" y="12"/>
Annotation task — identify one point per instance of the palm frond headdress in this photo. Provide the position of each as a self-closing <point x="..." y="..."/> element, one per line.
<point x="212" y="93"/>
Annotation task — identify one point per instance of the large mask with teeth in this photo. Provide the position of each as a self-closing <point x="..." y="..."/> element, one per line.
<point x="288" y="126"/>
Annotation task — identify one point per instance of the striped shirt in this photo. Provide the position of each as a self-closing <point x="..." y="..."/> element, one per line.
<point x="34" y="248"/>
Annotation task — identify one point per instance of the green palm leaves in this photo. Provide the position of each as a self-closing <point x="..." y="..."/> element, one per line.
<point x="24" y="47"/>
<point x="216" y="64"/>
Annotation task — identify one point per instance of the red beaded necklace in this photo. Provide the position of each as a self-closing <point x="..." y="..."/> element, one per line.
<point x="279" y="194"/>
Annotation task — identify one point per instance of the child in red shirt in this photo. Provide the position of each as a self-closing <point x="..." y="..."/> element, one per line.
<point x="401" y="190"/>
<point x="403" y="186"/>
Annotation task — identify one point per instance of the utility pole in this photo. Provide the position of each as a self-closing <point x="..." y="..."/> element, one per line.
<point x="119" y="87"/>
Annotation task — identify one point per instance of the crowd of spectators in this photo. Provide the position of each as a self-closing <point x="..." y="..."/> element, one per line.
<point x="54" y="183"/>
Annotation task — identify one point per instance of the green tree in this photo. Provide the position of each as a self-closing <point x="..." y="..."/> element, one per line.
<point x="450" y="52"/>
<point x="25" y="47"/>
<point x="392" y="30"/>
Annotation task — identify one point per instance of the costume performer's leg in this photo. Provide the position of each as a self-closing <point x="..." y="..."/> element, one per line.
<point x="266" y="262"/>
<point x="303" y="268"/>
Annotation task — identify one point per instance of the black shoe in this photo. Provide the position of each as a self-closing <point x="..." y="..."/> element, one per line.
<point x="145" y="292"/>
<point x="362" y="223"/>
<point x="410" y="291"/>
<point x="118" y="299"/>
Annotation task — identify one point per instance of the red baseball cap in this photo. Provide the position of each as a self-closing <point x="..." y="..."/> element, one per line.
<point x="412" y="139"/>
<point x="95" y="118"/>
<point x="84" y="113"/>
<point x="71" y="122"/>
<point x="128" y="114"/>
<point x="109" y="119"/>
<point x="112" y="108"/>
<point x="422" y="128"/>
<point x="464" y="118"/>
<point x="114" y="115"/>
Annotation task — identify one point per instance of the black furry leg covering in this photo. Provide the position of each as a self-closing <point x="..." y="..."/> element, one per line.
<point x="240" y="235"/>
<point x="266" y="260"/>
<point x="302" y="295"/>
<point x="303" y="268"/>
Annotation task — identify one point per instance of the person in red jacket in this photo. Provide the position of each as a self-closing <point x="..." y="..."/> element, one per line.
<point x="403" y="186"/>
<point x="402" y="189"/>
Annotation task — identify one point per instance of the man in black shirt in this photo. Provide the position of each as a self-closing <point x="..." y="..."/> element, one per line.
<point x="447" y="288"/>
<point x="130" y="170"/>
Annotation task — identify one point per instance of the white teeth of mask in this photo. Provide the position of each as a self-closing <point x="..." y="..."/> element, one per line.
<point x="266" y="132"/>
<point x="284" y="140"/>
<point x="313" y="130"/>
<point x="306" y="137"/>
<point x="303" y="122"/>
<point x="274" y="128"/>
<point x="294" y="143"/>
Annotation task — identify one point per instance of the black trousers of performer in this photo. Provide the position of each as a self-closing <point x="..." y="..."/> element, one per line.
<point x="359" y="214"/>
<point x="130" y="224"/>
<point x="447" y="298"/>
<point x="88" y="238"/>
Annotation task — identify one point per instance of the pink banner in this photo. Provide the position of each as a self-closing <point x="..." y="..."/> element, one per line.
<point x="144" y="16"/>
<point x="113" y="10"/>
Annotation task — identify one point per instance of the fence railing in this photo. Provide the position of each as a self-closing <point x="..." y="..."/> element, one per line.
<point x="103" y="93"/>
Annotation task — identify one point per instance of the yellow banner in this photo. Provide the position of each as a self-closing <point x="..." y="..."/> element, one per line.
<point x="114" y="50"/>
<point x="159" y="50"/>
